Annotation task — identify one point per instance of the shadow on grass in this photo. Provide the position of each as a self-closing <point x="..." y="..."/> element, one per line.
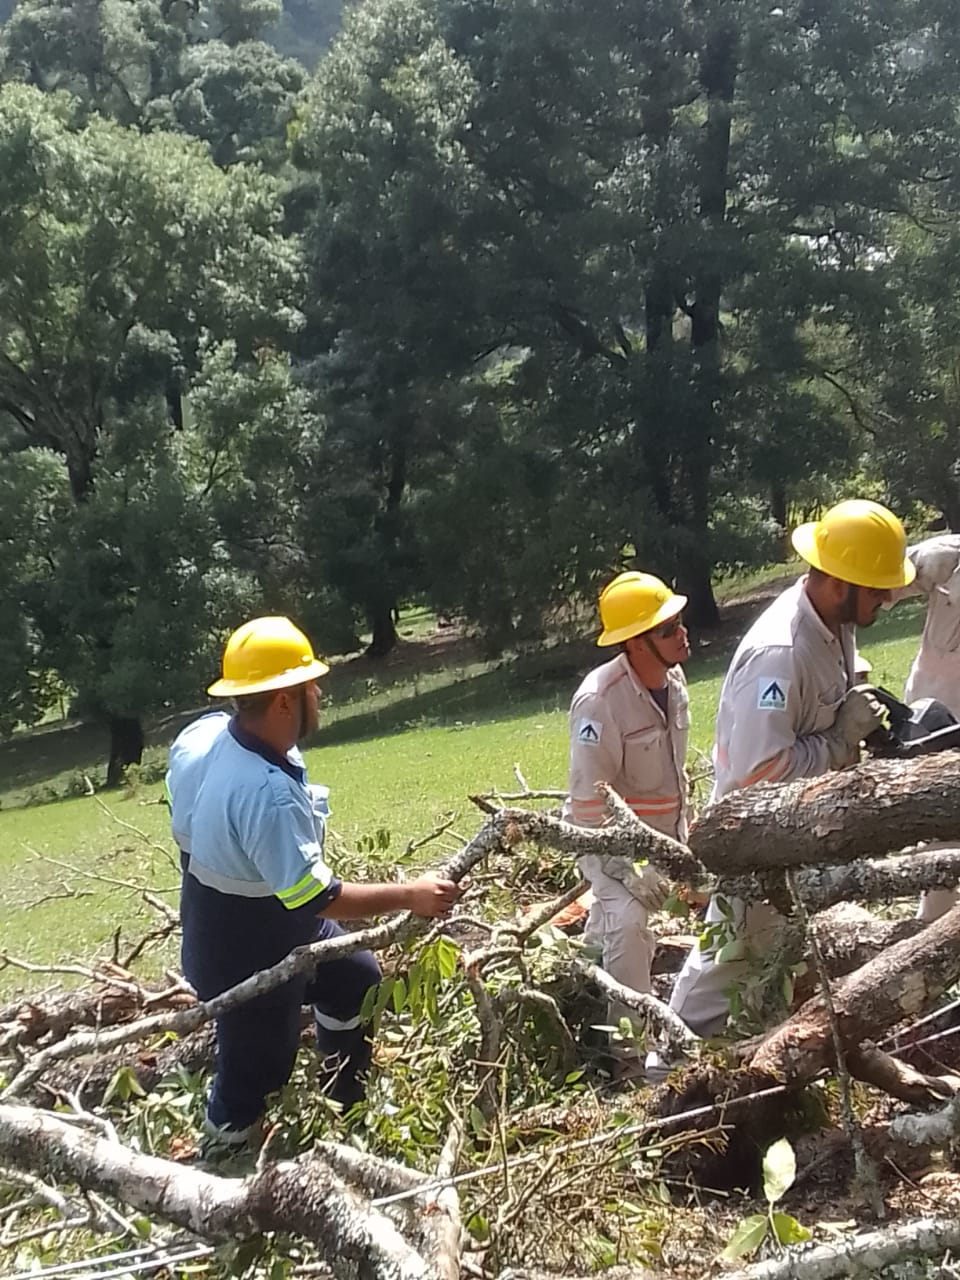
<point x="54" y="759"/>
<point x="29" y="759"/>
<point x="513" y="689"/>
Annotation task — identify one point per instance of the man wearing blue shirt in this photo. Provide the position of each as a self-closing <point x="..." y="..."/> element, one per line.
<point x="250" y="829"/>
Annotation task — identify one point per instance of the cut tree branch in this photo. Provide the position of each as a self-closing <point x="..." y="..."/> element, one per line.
<point x="674" y="1030"/>
<point x="902" y="983"/>
<point x="841" y="817"/>
<point x="306" y="1196"/>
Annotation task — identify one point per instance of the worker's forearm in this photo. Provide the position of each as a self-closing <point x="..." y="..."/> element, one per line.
<point x="357" y="901"/>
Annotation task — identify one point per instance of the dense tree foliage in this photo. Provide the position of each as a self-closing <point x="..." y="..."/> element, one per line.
<point x="126" y="258"/>
<point x="509" y="294"/>
<point x="687" y="207"/>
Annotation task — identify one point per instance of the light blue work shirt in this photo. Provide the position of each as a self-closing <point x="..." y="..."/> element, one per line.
<point x="249" y="823"/>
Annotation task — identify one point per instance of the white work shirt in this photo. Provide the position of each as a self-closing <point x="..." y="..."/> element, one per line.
<point x="782" y="690"/>
<point x="936" y="668"/>
<point x="619" y="735"/>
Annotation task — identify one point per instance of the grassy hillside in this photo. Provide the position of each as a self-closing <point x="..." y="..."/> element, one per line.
<point x="400" y="750"/>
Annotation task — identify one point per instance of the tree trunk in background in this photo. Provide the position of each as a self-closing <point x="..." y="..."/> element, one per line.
<point x="126" y="747"/>
<point x="779" y="513"/>
<point x="384" y="628"/>
<point x="382" y="612"/>
<point x="694" y="559"/>
<point x="718" y="76"/>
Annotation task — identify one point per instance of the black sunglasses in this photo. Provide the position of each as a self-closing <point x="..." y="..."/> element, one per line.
<point x="668" y="628"/>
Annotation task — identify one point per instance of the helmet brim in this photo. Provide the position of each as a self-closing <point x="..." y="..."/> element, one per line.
<point x="284" y="680"/>
<point x="805" y="544"/>
<point x="669" y="609"/>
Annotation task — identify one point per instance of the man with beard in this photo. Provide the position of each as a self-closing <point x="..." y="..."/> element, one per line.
<point x="789" y="707"/>
<point x="250" y="830"/>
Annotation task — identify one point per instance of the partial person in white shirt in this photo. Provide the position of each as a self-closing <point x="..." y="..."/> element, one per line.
<point x="936" y="668"/>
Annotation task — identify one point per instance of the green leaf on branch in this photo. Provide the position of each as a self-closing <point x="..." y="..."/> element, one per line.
<point x="788" y="1230"/>
<point x="447" y="955"/>
<point x="779" y="1170"/>
<point x="747" y="1238"/>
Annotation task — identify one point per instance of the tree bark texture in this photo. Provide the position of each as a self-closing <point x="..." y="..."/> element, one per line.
<point x="307" y="1197"/>
<point x="864" y="812"/>
<point x="638" y="841"/>
<point x="901" y="983"/>
<point x="864" y="1254"/>
<point x="868" y="880"/>
<point x="850" y="937"/>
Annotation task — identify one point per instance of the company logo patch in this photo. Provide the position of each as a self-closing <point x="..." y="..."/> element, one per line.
<point x="772" y="693"/>
<point x="589" y="732"/>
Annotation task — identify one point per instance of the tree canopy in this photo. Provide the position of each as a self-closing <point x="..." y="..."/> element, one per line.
<point x="499" y="299"/>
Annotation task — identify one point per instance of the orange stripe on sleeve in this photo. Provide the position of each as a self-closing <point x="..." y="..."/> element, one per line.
<point x="769" y="771"/>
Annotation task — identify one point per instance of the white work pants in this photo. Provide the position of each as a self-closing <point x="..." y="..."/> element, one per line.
<point x="700" y="994"/>
<point x="618" y="923"/>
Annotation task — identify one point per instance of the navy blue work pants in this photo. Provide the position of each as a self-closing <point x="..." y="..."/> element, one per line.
<point x="257" y="1042"/>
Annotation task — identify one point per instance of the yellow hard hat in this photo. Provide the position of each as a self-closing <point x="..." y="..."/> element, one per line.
<point x="633" y="603"/>
<point x="265" y="654"/>
<point x="858" y="542"/>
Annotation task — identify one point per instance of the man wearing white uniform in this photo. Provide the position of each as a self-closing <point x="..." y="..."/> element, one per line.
<point x="629" y="722"/>
<point x="789" y="708"/>
<point x="936" y="669"/>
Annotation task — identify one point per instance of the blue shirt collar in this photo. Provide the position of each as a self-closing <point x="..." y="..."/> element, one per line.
<point x="251" y="742"/>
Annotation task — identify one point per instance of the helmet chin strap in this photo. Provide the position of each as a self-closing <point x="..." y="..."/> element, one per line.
<point x="851" y="603"/>
<point x="648" y="640"/>
<point x="302" y="728"/>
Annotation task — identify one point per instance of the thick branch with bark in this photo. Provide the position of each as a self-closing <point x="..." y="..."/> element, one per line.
<point x="878" y="807"/>
<point x="867" y="1253"/>
<point x="901" y="983"/>
<point x="670" y="856"/>
<point x="849" y="936"/>
<point x="899" y="1079"/>
<point x="867" y="880"/>
<point x="116" y="1003"/>
<point x="323" y="1197"/>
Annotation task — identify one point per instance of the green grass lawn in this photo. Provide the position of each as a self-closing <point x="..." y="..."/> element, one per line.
<point x="399" y="750"/>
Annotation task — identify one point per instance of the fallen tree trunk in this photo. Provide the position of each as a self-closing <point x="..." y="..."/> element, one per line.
<point x="321" y="1197"/>
<point x="867" y="1253"/>
<point x="867" y="880"/>
<point x="901" y="983"/>
<point x="878" y="807"/>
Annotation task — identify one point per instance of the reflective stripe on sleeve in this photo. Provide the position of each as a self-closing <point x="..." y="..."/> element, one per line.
<point x="308" y="887"/>
<point x="770" y="771"/>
